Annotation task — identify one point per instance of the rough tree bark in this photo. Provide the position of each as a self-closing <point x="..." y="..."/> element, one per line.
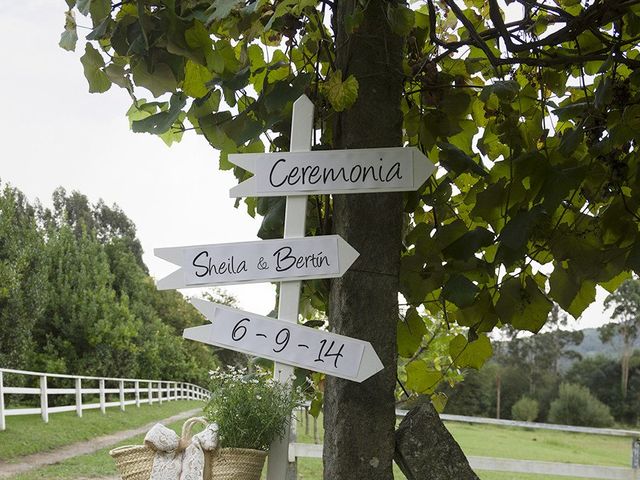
<point x="359" y="419"/>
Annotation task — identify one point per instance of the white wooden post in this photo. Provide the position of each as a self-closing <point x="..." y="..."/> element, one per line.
<point x="79" y="397"/>
<point x="44" y="401"/>
<point x="181" y="391"/>
<point x="137" y="389"/>
<point x="160" y="395"/>
<point x="3" y="424"/>
<point x="150" y="392"/>
<point x="121" y="385"/>
<point x="288" y="306"/>
<point x="103" y="407"/>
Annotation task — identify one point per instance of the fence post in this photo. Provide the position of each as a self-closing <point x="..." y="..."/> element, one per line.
<point x="635" y="454"/>
<point x="3" y="425"/>
<point x="121" y="385"/>
<point x="160" y="395"/>
<point x="79" y="397"/>
<point x="137" y="389"/>
<point x="150" y="392"/>
<point x="44" y="401"/>
<point x="103" y="407"/>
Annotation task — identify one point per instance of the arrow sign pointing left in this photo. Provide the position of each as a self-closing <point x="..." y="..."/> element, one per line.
<point x="285" y="342"/>
<point x="326" y="256"/>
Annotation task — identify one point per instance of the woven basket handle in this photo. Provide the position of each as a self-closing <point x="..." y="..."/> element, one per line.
<point x="185" y="438"/>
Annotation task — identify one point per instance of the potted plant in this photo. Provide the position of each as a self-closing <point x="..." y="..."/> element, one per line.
<point x="252" y="410"/>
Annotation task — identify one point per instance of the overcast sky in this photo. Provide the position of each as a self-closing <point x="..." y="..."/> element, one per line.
<point x="54" y="133"/>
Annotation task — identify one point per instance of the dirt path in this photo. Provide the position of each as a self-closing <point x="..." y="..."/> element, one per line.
<point x="37" y="460"/>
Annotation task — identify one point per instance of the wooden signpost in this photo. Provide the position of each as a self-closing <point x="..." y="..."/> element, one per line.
<point x="294" y="174"/>
<point x="285" y="342"/>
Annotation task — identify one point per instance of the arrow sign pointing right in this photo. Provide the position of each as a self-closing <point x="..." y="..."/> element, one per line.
<point x="285" y="342"/>
<point x="393" y="169"/>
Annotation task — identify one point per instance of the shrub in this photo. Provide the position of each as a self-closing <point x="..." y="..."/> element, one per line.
<point x="251" y="409"/>
<point x="525" y="410"/>
<point x="576" y="405"/>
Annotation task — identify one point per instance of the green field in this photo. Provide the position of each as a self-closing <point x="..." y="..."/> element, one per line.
<point x="28" y="434"/>
<point x="477" y="440"/>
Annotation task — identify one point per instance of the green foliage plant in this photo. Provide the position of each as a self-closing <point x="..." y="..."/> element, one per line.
<point x="525" y="410"/>
<point x="576" y="405"/>
<point x="251" y="409"/>
<point x="535" y="133"/>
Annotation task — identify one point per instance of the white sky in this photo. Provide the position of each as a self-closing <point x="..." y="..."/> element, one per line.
<point x="54" y="133"/>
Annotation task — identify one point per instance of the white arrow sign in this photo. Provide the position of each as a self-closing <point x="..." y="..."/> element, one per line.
<point x="285" y="342"/>
<point x="327" y="256"/>
<point x="395" y="169"/>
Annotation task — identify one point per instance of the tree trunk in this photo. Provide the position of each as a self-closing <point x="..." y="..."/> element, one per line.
<point x="426" y="450"/>
<point x="359" y="419"/>
<point x="627" y="351"/>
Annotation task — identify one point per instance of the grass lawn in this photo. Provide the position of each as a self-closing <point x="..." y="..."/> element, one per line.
<point x="29" y="434"/>
<point x="518" y="443"/>
<point x="478" y="440"/>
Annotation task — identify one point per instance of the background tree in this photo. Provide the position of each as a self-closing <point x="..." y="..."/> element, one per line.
<point x="76" y="297"/>
<point x="533" y="119"/>
<point x="626" y="315"/>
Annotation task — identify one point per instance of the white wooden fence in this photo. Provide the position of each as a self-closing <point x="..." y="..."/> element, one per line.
<point x="297" y="450"/>
<point x="130" y="391"/>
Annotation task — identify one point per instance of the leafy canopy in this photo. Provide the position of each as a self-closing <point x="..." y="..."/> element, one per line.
<point x="533" y="118"/>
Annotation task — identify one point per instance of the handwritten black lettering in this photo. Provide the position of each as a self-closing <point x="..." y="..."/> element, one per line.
<point x="285" y="260"/>
<point x="208" y="266"/>
<point x="281" y="174"/>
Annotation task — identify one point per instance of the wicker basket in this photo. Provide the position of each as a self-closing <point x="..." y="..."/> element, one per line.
<point x="237" y="464"/>
<point x="135" y="462"/>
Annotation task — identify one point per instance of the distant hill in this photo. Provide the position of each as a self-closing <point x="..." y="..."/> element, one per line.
<point x="592" y="346"/>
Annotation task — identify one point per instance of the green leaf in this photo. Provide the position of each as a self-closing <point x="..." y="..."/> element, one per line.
<point x="573" y="295"/>
<point x="516" y="233"/>
<point x="604" y="93"/>
<point x="439" y="401"/>
<point x="69" y="37"/>
<point x="481" y="316"/>
<point x="411" y="330"/>
<point x="353" y="21"/>
<point x="83" y="6"/>
<point x="457" y="161"/>
<point x="523" y="307"/>
<point x="401" y="18"/>
<point x="341" y="95"/>
<point x="421" y="378"/>
<point x="459" y="290"/>
<point x="93" y="63"/>
<point x="195" y="79"/>
<point x="158" y="81"/>
<point x="99" y="10"/>
<point x="161" y="122"/>
<point x="466" y="246"/>
<point x="221" y="9"/>
<point x="117" y="75"/>
<point x="470" y="354"/>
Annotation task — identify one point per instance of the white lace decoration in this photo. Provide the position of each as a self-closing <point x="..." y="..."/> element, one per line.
<point x="172" y="462"/>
